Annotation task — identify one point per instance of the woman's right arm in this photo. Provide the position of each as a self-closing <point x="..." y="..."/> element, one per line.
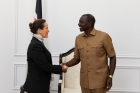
<point x="39" y="57"/>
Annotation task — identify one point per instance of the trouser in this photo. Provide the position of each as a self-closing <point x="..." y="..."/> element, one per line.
<point x="98" y="90"/>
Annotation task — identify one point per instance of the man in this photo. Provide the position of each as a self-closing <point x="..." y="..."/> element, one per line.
<point x="92" y="48"/>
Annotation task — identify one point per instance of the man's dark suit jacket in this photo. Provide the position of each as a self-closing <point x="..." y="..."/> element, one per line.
<point x="39" y="68"/>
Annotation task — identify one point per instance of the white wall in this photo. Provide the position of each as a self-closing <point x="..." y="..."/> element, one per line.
<point x="119" y="18"/>
<point x="7" y="34"/>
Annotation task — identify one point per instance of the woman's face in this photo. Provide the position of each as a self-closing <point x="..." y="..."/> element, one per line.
<point x="44" y="31"/>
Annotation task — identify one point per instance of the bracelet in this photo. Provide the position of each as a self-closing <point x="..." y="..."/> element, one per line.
<point x="110" y="76"/>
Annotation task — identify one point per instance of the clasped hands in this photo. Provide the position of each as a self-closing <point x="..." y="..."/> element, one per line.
<point x="64" y="67"/>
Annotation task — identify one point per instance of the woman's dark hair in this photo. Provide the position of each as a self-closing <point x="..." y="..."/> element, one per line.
<point x="39" y="23"/>
<point x="90" y="18"/>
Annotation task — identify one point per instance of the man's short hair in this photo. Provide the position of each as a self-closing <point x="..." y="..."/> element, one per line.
<point x="90" y="18"/>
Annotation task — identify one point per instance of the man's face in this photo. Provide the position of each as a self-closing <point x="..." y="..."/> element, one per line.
<point x="83" y="23"/>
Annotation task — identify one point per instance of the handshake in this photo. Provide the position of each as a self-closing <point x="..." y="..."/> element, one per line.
<point x="64" y="67"/>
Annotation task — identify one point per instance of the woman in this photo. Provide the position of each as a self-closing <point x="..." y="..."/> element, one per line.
<point x="39" y="60"/>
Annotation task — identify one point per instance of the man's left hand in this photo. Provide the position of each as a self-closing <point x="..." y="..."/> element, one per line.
<point x="108" y="84"/>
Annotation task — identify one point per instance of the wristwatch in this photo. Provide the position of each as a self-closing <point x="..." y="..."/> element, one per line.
<point x="110" y="76"/>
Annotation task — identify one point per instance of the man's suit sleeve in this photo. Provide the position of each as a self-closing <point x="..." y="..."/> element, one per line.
<point x="39" y="57"/>
<point x="108" y="45"/>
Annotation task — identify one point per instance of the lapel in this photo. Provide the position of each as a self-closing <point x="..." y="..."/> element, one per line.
<point x="48" y="54"/>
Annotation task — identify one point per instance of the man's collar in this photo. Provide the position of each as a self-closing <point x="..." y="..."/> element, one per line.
<point x="93" y="33"/>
